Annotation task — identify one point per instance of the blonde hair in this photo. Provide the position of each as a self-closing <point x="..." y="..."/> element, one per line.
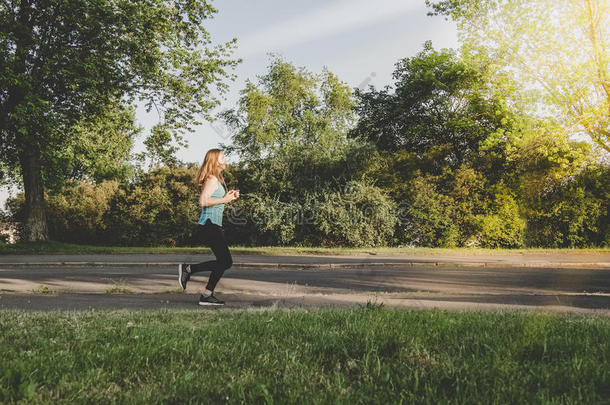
<point x="209" y="166"/>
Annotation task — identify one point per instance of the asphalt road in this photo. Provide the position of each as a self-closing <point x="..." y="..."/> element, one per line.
<point x="460" y="287"/>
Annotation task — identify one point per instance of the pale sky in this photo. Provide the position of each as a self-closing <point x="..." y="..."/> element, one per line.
<point x="358" y="40"/>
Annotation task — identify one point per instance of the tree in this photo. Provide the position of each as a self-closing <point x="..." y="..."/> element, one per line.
<point x="440" y="109"/>
<point x="558" y="50"/>
<point x="98" y="149"/>
<point x="63" y="61"/>
<point x="302" y="175"/>
<point x="289" y="105"/>
<point x="290" y="131"/>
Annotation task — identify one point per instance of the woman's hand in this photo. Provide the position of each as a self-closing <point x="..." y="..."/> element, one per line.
<point x="231" y="195"/>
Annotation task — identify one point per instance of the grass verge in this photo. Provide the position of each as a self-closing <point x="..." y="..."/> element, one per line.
<point x="52" y="247"/>
<point x="363" y="355"/>
<point x="43" y="289"/>
<point x="118" y="287"/>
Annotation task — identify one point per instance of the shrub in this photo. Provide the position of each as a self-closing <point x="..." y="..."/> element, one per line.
<point x="427" y="217"/>
<point x="467" y="189"/>
<point x="573" y="213"/>
<point x="363" y="216"/>
<point x="260" y="220"/>
<point x="76" y="213"/>
<point x="160" y="208"/>
<point x="503" y="227"/>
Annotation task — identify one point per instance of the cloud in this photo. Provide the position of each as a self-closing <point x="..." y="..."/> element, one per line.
<point x="330" y="20"/>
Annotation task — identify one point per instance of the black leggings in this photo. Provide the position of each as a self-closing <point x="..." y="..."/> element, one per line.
<point x="213" y="236"/>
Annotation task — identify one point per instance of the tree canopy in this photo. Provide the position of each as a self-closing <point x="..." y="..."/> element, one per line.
<point x="440" y="108"/>
<point x="64" y="61"/>
<point x="289" y="105"/>
<point x="557" y="50"/>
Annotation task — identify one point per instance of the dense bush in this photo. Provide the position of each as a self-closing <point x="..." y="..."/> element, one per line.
<point x="260" y="220"/>
<point x="465" y="212"/>
<point x="360" y="215"/>
<point x="76" y="214"/>
<point x="160" y="208"/>
<point x="573" y="213"/>
<point x="503" y="226"/>
<point x="428" y="216"/>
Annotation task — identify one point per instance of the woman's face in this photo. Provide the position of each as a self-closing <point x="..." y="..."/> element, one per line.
<point x="222" y="164"/>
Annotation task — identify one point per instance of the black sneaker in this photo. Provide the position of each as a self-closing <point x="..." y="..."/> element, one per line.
<point x="210" y="300"/>
<point x="184" y="274"/>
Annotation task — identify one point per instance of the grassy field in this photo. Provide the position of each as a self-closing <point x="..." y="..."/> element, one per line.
<point x="53" y="247"/>
<point x="362" y="355"/>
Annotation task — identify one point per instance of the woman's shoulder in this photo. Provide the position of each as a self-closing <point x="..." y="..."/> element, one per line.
<point x="216" y="181"/>
<point x="213" y="178"/>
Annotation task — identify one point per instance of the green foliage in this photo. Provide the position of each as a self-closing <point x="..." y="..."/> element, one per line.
<point x="98" y="149"/>
<point x="461" y="209"/>
<point x="462" y="162"/>
<point x="64" y="61"/>
<point x="298" y="164"/>
<point x="439" y="109"/>
<point x="76" y="214"/>
<point x="536" y="152"/>
<point x="160" y="208"/>
<point x="446" y="158"/>
<point x="296" y="167"/>
<point x="555" y="51"/>
<point x="65" y="64"/>
<point x="547" y="171"/>
<point x="503" y="226"/>
<point x="159" y="147"/>
<point x="289" y="105"/>
<point x="428" y="216"/>
<point x="550" y="63"/>
<point x="261" y="220"/>
<point x="572" y="213"/>
<point x="362" y="215"/>
<point x="469" y="194"/>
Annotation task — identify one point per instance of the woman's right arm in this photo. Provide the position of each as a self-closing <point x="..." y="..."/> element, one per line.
<point x="206" y="199"/>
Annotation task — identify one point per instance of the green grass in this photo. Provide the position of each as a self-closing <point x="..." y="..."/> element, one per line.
<point x="53" y="247"/>
<point x="118" y="287"/>
<point x="43" y="289"/>
<point x="346" y="356"/>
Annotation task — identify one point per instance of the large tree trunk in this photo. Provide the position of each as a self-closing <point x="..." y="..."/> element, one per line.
<point x="35" y="224"/>
<point x="35" y="217"/>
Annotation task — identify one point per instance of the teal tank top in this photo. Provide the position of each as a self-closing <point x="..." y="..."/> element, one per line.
<point x="214" y="212"/>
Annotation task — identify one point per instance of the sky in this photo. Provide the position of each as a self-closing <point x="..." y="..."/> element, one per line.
<point x="358" y="40"/>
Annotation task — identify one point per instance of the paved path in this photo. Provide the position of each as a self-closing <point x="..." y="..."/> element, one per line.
<point x="402" y="283"/>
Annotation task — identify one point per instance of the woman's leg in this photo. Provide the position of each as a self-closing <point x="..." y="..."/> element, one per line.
<point x="213" y="235"/>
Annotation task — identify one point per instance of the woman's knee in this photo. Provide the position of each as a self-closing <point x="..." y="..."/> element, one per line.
<point x="227" y="262"/>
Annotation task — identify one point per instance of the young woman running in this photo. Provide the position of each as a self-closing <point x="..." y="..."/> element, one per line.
<point x="209" y="228"/>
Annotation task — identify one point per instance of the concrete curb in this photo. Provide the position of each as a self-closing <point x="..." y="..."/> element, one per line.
<point x="325" y="266"/>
